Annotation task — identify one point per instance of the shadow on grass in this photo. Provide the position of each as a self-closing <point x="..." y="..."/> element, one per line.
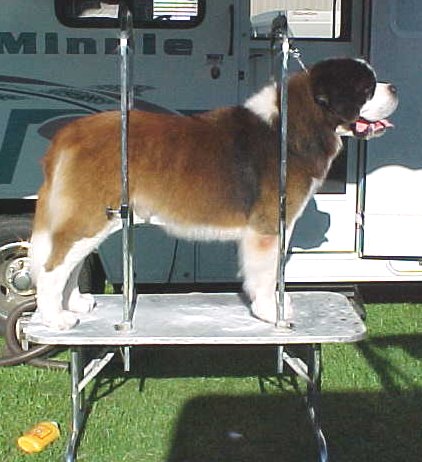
<point x="205" y="361"/>
<point x="273" y="427"/>
<point x="389" y="373"/>
<point x="360" y="427"/>
<point x="410" y="343"/>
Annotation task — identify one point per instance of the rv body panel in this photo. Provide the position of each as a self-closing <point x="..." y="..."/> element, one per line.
<point x="54" y="72"/>
<point x="393" y="174"/>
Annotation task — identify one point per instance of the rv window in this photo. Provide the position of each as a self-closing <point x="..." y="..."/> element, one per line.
<point x="312" y="19"/>
<point x="146" y="13"/>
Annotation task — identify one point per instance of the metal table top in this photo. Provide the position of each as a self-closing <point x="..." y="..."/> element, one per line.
<point x="207" y="319"/>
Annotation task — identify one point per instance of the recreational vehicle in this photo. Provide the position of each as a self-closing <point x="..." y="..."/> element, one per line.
<point x="59" y="61"/>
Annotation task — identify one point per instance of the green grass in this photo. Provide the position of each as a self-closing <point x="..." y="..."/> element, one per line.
<point x="192" y="401"/>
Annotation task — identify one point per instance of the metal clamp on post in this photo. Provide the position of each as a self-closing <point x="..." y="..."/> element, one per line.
<point x="280" y="46"/>
<point x="126" y="213"/>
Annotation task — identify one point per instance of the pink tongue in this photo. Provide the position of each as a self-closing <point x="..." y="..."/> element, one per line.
<point x="363" y="125"/>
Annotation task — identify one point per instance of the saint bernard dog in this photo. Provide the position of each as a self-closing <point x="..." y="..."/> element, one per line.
<point x="211" y="176"/>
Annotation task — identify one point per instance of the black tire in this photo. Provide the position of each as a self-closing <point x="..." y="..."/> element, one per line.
<point x="92" y="277"/>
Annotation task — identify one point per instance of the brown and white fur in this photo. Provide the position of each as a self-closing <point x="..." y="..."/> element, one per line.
<point x="210" y="176"/>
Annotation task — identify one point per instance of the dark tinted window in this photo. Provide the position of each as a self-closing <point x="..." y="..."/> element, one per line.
<point x="146" y="13"/>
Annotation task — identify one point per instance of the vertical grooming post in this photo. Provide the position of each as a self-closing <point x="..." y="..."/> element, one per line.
<point x="280" y="39"/>
<point x="126" y="213"/>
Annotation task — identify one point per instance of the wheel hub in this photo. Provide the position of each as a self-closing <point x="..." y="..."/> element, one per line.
<point x="15" y="279"/>
<point x="18" y="276"/>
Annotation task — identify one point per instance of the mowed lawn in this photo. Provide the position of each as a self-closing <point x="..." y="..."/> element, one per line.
<point x="225" y="404"/>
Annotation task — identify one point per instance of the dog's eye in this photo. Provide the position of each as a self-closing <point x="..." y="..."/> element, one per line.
<point x="322" y="100"/>
<point x="369" y="92"/>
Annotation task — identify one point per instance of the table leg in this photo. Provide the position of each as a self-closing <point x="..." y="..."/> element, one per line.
<point x="313" y="399"/>
<point x="78" y="403"/>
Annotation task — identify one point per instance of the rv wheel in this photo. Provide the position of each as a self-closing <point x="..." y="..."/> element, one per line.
<point x="15" y="281"/>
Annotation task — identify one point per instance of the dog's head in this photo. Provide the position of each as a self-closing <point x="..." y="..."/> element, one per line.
<point x="348" y="92"/>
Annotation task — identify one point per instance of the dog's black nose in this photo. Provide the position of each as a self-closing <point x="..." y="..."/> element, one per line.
<point x="392" y="88"/>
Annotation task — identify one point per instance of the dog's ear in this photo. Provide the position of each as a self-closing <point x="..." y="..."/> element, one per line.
<point x="322" y="86"/>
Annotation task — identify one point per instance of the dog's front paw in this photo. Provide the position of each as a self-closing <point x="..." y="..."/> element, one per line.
<point x="266" y="309"/>
<point x="81" y="303"/>
<point x="62" y="320"/>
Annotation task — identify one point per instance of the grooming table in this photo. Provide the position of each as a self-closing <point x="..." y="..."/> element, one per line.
<point x="203" y="319"/>
<point x="197" y="319"/>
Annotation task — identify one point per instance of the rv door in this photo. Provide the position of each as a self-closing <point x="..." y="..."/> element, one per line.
<point x="393" y="172"/>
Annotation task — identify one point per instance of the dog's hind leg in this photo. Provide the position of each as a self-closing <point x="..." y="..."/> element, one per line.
<point x="53" y="292"/>
<point x="73" y="300"/>
<point x="259" y="264"/>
